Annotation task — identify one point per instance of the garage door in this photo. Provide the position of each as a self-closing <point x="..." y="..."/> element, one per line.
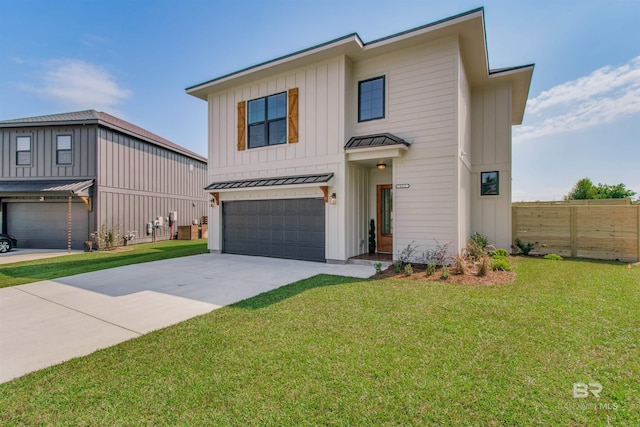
<point x="44" y="225"/>
<point x="290" y="228"/>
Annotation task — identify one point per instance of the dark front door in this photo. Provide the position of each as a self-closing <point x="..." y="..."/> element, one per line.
<point x="385" y="213"/>
<point x="284" y="228"/>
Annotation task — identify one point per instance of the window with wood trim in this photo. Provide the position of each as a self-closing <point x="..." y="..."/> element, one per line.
<point x="64" y="153"/>
<point x="270" y="120"/>
<point x="23" y="151"/>
<point x="371" y="99"/>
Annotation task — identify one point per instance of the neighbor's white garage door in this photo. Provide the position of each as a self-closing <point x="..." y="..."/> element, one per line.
<point x="43" y="225"/>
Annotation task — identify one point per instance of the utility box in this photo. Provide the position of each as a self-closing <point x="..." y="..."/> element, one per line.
<point x="188" y="232"/>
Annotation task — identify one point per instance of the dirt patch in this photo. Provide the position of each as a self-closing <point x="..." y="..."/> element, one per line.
<point x="471" y="278"/>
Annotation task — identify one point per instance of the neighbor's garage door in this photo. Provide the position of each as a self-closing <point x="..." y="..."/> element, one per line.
<point x="44" y="225"/>
<point x="290" y="228"/>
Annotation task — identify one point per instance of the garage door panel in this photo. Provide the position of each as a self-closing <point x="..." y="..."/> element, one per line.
<point x="287" y="228"/>
<point x="44" y="225"/>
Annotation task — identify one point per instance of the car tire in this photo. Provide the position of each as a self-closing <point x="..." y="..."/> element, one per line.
<point x="5" y="245"/>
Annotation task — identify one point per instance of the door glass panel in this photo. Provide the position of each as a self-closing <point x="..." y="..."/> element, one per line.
<point x="387" y="209"/>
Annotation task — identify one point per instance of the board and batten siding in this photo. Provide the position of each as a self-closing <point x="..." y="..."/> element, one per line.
<point x="358" y="210"/>
<point x="465" y="174"/>
<point x="491" y="151"/>
<point x="43" y="153"/>
<point x="139" y="181"/>
<point x="422" y="108"/>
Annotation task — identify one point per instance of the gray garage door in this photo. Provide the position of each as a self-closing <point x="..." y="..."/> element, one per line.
<point x="290" y="228"/>
<point x="44" y="225"/>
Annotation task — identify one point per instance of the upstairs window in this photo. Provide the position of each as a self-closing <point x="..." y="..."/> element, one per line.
<point x="371" y="99"/>
<point x="23" y="151"/>
<point x="63" y="150"/>
<point x="267" y="120"/>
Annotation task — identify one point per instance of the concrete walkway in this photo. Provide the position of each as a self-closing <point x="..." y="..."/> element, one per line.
<point x="45" y="323"/>
<point x="18" y="255"/>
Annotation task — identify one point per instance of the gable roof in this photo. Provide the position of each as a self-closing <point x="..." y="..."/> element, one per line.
<point x="103" y="119"/>
<point x="469" y="27"/>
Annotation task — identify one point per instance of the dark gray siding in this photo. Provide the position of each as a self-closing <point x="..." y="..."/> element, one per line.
<point x="138" y="181"/>
<point x="43" y="152"/>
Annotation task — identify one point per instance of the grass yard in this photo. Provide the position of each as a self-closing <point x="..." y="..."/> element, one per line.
<point x="20" y="273"/>
<point x="341" y="351"/>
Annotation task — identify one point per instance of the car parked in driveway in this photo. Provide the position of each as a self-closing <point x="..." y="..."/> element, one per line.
<point x="7" y="242"/>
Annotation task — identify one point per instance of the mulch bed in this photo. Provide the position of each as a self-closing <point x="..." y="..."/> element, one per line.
<point x="419" y="273"/>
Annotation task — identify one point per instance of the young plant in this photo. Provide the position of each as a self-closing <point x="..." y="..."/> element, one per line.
<point x="445" y="272"/>
<point x="485" y="265"/>
<point x="408" y="270"/>
<point x="406" y="255"/>
<point x="442" y="253"/>
<point x="372" y="237"/>
<point x="429" y="257"/>
<point x="553" y="257"/>
<point x="378" y="266"/>
<point x="431" y="268"/>
<point x="525" y="248"/>
<point x="499" y="253"/>
<point x="500" y="263"/>
<point x="480" y="240"/>
<point x="397" y="266"/>
<point x="460" y="263"/>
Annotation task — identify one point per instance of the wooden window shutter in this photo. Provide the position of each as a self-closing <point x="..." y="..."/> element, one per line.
<point x="242" y="125"/>
<point x="293" y="115"/>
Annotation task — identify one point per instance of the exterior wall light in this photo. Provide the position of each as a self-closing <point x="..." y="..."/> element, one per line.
<point x="381" y="166"/>
<point x="332" y="199"/>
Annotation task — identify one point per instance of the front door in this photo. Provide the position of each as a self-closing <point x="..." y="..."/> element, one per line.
<point x="385" y="211"/>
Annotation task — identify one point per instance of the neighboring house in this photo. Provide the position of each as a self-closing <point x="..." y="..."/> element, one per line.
<point x="412" y="130"/>
<point x="101" y="169"/>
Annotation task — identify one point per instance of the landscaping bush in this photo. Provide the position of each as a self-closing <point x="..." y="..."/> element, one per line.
<point x="378" y="266"/>
<point x="461" y="265"/>
<point x="500" y="263"/>
<point x="499" y="253"/>
<point x="397" y="266"/>
<point x="480" y="240"/>
<point x="445" y="272"/>
<point x="408" y="270"/>
<point x="553" y="257"/>
<point x="485" y="264"/>
<point x="431" y="268"/>
<point x="525" y="248"/>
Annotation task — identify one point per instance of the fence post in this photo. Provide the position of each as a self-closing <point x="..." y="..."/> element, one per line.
<point x="573" y="230"/>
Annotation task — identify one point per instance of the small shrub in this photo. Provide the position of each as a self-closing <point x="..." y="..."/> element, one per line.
<point x="500" y="263"/>
<point x="445" y="272"/>
<point x="429" y="257"/>
<point x="408" y="270"/>
<point x="474" y="250"/>
<point x="372" y="237"/>
<point x="461" y="265"/>
<point x="107" y="238"/>
<point x="525" y="248"/>
<point x="431" y="268"/>
<point x="378" y="266"/>
<point x="485" y="264"/>
<point x="553" y="257"/>
<point x="397" y="266"/>
<point x="442" y="253"/>
<point x="499" y="253"/>
<point x="480" y="240"/>
<point x="406" y="255"/>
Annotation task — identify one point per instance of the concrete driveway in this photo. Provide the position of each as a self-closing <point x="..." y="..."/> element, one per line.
<point x="20" y="254"/>
<point x="45" y="323"/>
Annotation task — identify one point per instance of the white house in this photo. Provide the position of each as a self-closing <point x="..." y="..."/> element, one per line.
<point x="411" y="130"/>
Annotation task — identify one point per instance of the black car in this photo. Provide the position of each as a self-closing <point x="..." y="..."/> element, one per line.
<point x="7" y="243"/>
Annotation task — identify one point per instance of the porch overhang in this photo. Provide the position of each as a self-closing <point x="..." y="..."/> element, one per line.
<point x="372" y="149"/>
<point x="14" y="188"/>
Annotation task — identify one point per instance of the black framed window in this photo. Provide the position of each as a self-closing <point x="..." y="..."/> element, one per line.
<point x="63" y="150"/>
<point x="371" y="99"/>
<point x="489" y="183"/>
<point x="267" y="120"/>
<point x="23" y="151"/>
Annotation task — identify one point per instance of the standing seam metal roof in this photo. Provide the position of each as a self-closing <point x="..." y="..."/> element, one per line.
<point x="47" y="186"/>
<point x="377" y="140"/>
<point x="268" y="182"/>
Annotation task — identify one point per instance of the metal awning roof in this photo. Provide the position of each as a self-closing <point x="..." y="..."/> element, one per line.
<point x="270" y="182"/>
<point x="51" y="187"/>
<point x="377" y="140"/>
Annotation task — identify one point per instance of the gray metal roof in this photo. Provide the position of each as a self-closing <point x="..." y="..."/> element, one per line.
<point x="103" y="119"/>
<point x="378" y="140"/>
<point x="269" y="182"/>
<point x="66" y="187"/>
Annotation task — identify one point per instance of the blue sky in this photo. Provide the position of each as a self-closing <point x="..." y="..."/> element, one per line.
<point x="133" y="59"/>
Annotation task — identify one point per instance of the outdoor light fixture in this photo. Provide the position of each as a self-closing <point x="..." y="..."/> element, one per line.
<point x="42" y="198"/>
<point x="212" y="202"/>
<point x="381" y="166"/>
<point x="332" y="200"/>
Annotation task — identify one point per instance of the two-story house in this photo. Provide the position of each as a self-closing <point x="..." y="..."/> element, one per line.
<point x="411" y="130"/>
<point x="63" y="176"/>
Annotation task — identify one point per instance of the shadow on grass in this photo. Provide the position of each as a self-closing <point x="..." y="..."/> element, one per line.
<point x="579" y="260"/>
<point x="53" y="268"/>
<point x="282" y="293"/>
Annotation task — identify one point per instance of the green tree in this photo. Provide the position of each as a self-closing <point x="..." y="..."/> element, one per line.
<point x="584" y="189"/>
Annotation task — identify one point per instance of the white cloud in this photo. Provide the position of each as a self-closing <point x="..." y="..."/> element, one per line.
<point x="601" y="97"/>
<point x="81" y="85"/>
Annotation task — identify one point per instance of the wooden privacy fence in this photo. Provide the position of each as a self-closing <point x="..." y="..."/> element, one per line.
<point x="599" y="229"/>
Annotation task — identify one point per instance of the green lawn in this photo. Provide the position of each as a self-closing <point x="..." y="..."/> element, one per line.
<point x="341" y="351"/>
<point x="50" y="268"/>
